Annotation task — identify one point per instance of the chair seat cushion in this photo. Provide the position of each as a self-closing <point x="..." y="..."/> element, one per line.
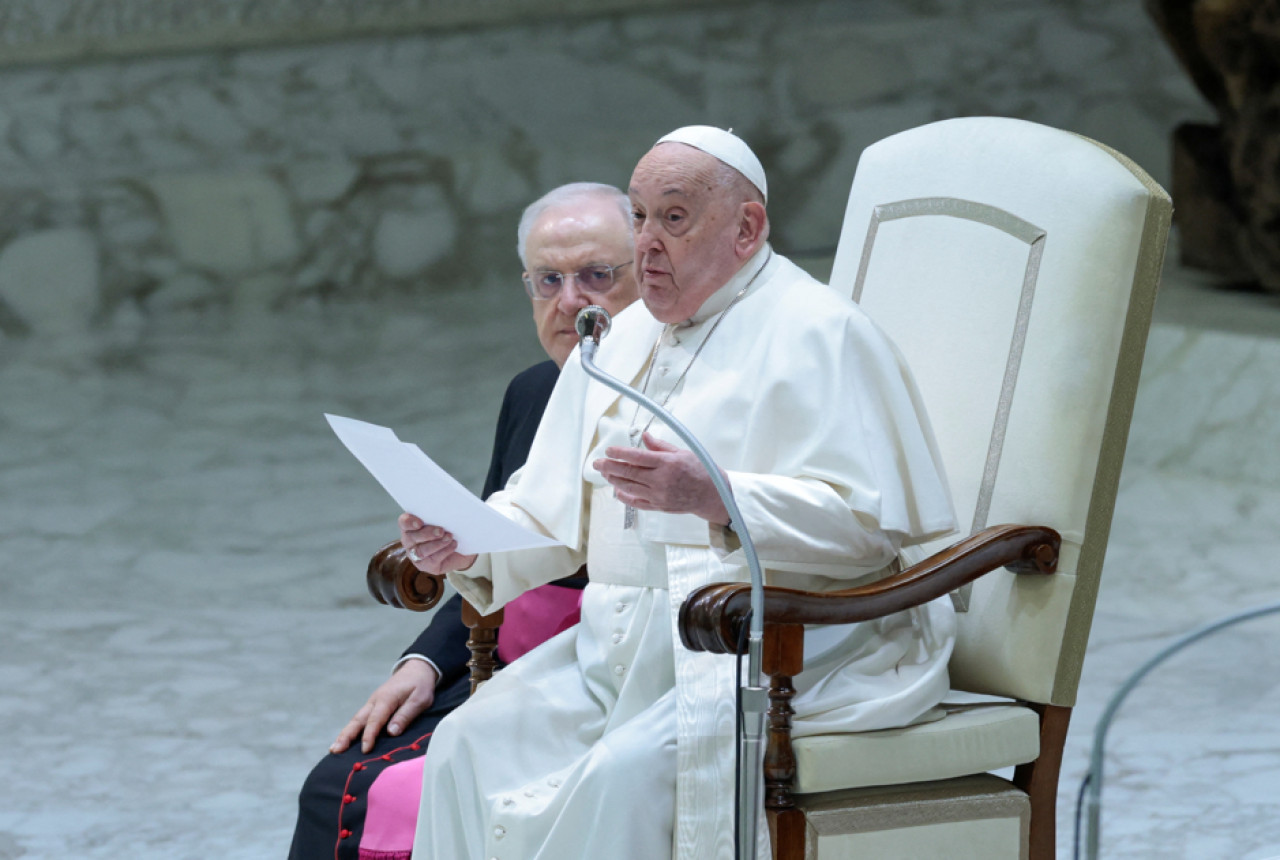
<point x="972" y="739"/>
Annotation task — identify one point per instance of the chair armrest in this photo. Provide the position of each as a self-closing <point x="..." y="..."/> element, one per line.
<point x="712" y="615"/>
<point x="394" y="581"/>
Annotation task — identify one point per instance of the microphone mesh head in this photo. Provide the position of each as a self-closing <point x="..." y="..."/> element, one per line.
<point x="592" y="323"/>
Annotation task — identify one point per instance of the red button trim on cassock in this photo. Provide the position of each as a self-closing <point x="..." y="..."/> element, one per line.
<point x="347" y="799"/>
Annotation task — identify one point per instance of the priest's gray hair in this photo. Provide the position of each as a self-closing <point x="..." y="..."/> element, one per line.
<point x="563" y="196"/>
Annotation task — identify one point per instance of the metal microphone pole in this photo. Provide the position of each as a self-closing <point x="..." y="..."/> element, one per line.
<point x="592" y="324"/>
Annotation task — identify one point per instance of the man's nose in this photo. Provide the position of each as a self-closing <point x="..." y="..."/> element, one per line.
<point x="571" y="298"/>
<point x="646" y="238"/>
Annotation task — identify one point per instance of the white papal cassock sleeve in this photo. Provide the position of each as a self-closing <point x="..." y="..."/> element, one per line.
<point x="498" y="578"/>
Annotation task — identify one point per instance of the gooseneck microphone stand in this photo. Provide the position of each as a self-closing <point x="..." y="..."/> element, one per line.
<point x="592" y="324"/>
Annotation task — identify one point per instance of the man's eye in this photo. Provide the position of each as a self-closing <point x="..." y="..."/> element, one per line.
<point x="597" y="274"/>
<point x="549" y="279"/>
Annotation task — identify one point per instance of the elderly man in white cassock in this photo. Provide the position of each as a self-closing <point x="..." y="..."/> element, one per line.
<point x="611" y="740"/>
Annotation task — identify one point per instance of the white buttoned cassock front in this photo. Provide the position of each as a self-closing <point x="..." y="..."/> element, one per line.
<point x="613" y="741"/>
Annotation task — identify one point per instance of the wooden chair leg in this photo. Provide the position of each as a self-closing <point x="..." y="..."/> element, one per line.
<point x="783" y="657"/>
<point x="786" y="828"/>
<point x="1039" y="779"/>
<point x="482" y="643"/>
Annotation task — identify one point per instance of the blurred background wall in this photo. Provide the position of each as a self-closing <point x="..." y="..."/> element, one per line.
<point x="241" y="154"/>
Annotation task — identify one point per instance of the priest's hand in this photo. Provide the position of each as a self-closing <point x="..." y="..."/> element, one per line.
<point x="407" y="693"/>
<point x="431" y="549"/>
<point x="662" y="477"/>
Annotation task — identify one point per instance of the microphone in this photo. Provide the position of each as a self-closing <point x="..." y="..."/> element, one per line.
<point x="592" y="324"/>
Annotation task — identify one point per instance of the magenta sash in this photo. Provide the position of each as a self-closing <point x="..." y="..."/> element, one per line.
<point x="536" y="616"/>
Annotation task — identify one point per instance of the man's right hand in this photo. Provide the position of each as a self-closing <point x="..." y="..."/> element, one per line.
<point x="431" y="549"/>
<point x="407" y="693"/>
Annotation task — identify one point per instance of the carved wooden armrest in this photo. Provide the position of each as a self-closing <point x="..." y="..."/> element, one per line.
<point x="711" y="616"/>
<point x="394" y="581"/>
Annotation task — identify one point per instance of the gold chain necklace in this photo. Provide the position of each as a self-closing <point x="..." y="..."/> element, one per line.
<point x="636" y="434"/>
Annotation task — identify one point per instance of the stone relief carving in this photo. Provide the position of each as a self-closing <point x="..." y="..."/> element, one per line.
<point x="1226" y="176"/>
<point x="345" y="168"/>
<point x="55" y="30"/>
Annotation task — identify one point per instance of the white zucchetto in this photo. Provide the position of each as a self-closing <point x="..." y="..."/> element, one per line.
<point x="726" y="147"/>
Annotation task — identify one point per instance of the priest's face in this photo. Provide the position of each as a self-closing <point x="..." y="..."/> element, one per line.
<point x="566" y="241"/>
<point x="688" y="229"/>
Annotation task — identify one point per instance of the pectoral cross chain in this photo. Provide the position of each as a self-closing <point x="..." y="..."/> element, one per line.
<point x="637" y="433"/>
<point x="629" y="515"/>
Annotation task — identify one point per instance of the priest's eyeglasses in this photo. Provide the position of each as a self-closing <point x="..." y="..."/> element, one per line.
<point x="543" y="284"/>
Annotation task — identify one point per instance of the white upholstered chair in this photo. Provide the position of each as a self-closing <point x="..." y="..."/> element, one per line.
<point x="1015" y="266"/>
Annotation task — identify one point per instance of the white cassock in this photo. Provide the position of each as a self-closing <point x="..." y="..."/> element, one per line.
<point x="613" y="741"/>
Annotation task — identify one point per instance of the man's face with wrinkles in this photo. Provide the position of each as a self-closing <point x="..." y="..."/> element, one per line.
<point x="685" y="223"/>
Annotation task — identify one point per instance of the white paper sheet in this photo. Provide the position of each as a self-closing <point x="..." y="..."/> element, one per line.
<point x="428" y="492"/>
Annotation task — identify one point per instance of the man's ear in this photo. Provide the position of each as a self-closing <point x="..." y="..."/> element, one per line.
<point x="753" y="229"/>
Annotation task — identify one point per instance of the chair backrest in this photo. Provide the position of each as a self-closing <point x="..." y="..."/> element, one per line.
<point x="1015" y="266"/>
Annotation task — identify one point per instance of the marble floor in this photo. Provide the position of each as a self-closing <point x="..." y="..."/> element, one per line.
<point x="184" y="624"/>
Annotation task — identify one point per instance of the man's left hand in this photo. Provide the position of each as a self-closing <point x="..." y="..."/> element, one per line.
<point x="662" y="477"/>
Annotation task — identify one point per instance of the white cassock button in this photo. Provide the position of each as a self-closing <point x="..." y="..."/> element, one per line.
<point x="554" y="783"/>
<point x="619" y="670"/>
<point x="617" y="638"/>
<point x="507" y="801"/>
<point x="621" y="607"/>
<point x="499" y="832"/>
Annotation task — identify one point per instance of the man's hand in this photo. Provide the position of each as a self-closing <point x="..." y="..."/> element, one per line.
<point x="407" y="693"/>
<point x="662" y="477"/>
<point x="431" y="548"/>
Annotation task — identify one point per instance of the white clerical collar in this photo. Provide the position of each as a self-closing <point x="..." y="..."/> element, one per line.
<point x="723" y="297"/>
